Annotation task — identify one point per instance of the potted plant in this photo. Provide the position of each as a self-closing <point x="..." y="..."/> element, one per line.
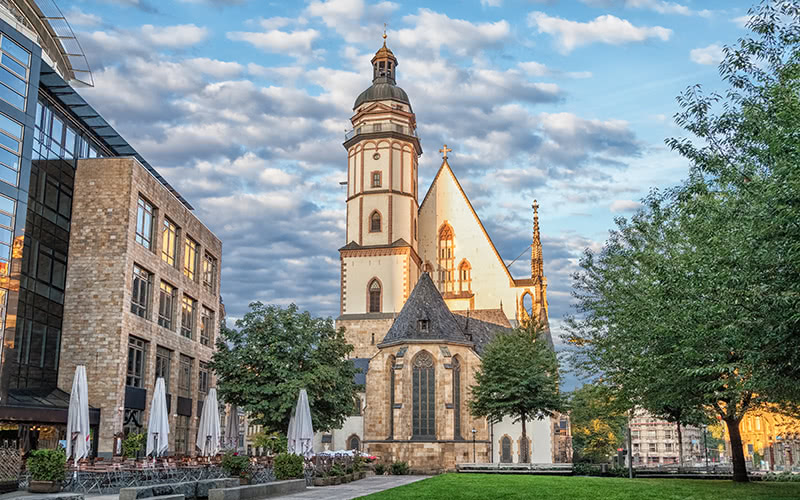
<point x="337" y="473"/>
<point x="133" y="444"/>
<point x="47" y="470"/>
<point x="236" y="465"/>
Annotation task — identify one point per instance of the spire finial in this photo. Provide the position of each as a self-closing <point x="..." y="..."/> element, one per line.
<point x="537" y="262"/>
<point x="444" y="151"/>
<point x="384" y="34"/>
<point x="535" y="208"/>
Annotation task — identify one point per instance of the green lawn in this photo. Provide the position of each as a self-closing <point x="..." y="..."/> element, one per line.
<point x="491" y="486"/>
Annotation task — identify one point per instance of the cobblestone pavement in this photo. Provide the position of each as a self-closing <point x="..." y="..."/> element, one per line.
<point x="360" y="488"/>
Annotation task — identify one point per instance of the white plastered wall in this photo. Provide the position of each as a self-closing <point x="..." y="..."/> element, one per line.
<point x="539" y="432"/>
<point x="359" y="271"/>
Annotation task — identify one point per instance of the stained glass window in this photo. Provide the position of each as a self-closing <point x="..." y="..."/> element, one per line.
<point x="374" y="296"/>
<point x="505" y="446"/>
<point x="424" y="396"/>
<point x="456" y="399"/>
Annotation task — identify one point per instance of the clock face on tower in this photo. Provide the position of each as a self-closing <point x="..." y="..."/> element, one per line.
<point x="376" y="156"/>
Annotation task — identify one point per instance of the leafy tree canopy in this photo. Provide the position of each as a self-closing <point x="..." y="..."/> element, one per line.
<point x="518" y="378"/>
<point x="598" y="419"/>
<point x="276" y="352"/>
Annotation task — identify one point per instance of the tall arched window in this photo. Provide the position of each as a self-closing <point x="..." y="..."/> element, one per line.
<point x="391" y="397"/>
<point x="447" y="258"/>
<point x="374" y="296"/>
<point x="375" y="222"/>
<point x="424" y="397"/>
<point x="353" y="443"/>
<point x="464" y="276"/>
<point x="505" y="450"/>
<point x="456" y="364"/>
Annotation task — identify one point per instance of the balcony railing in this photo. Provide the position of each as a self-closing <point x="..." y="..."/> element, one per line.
<point x="380" y="127"/>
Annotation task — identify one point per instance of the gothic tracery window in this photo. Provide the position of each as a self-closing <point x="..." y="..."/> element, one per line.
<point x="374" y="296"/>
<point x="446" y="259"/>
<point x="456" y="365"/>
<point x="465" y="276"/>
<point x="505" y="450"/>
<point x="424" y="397"/>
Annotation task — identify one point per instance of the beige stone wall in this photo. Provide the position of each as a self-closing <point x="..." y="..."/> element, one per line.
<point x="448" y="449"/>
<point x="97" y="317"/>
<point x="359" y="333"/>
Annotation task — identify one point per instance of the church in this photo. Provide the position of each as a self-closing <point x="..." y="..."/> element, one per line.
<point x="423" y="290"/>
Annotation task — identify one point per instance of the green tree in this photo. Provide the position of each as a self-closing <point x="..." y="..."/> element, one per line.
<point x="695" y="299"/>
<point x="598" y="420"/>
<point x="273" y="354"/>
<point x="518" y="378"/>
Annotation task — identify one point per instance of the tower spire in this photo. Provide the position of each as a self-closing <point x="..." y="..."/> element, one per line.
<point x="537" y="261"/>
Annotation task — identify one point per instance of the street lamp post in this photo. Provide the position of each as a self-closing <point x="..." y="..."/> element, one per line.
<point x="705" y="443"/>
<point x="473" y="445"/>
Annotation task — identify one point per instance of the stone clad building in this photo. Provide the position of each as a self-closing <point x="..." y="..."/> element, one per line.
<point x="143" y="286"/>
<point x="423" y="288"/>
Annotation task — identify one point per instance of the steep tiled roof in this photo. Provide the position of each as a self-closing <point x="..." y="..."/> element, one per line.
<point x="425" y="304"/>
<point x="481" y="325"/>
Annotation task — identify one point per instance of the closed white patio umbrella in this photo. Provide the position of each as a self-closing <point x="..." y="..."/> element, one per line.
<point x="158" y="424"/>
<point x="301" y="432"/>
<point x="78" y="416"/>
<point x="208" y="430"/>
<point x="232" y="428"/>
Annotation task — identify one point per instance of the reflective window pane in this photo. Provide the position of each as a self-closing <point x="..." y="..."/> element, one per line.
<point x="12" y="97"/>
<point x="14" y="66"/>
<point x="15" y="50"/>
<point x="12" y="81"/>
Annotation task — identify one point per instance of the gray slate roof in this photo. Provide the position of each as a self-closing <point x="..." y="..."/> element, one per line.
<point x="382" y="92"/>
<point x="425" y="303"/>
<point x="482" y="325"/>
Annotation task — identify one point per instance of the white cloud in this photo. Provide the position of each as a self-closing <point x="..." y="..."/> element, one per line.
<point x="492" y="3"/>
<point x="77" y="17"/>
<point x="433" y="30"/>
<point x="536" y="69"/>
<point x="606" y="29"/>
<point x="215" y="67"/>
<point x="619" y="206"/>
<point x="659" y="6"/>
<point x="296" y="43"/>
<point x="356" y="21"/>
<point x="741" y="21"/>
<point x="173" y="37"/>
<point x="710" y="55"/>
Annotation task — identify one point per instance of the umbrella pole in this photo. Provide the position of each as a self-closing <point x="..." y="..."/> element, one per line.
<point x="155" y="449"/>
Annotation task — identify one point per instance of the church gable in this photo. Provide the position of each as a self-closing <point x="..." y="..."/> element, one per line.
<point x="467" y="268"/>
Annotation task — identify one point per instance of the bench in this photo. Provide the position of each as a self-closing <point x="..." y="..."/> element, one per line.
<point x="258" y="491"/>
<point x="188" y="490"/>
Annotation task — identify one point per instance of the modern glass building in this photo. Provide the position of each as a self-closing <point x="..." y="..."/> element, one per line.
<point x="45" y="127"/>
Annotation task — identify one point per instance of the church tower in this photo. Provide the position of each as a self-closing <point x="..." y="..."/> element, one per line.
<point x="379" y="262"/>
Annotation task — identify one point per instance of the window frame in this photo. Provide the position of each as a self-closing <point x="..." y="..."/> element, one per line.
<point x="163" y="366"/>
<point x="166" y="315"/>
<point x="185" y="367"/>
<point x="137" y="362"/>
<point x="191" y="303"/>
<point x="191" y="249"/>
<point x="206" y="326"/>
<point x="374" y="296"/>
<point x="209" y="273"/>
<point x="375" y="216"/>
<point x="372" y="177"/>
<point x="141" y="307"/>
<point x="423" y="389"/>
<point x="144" y="211"/>
<point x="169" y="232"/>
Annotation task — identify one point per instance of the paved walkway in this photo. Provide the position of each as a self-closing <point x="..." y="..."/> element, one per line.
<point x="360" y="488"/>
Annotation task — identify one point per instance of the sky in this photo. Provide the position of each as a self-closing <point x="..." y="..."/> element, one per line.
<point x="242" y="105"/>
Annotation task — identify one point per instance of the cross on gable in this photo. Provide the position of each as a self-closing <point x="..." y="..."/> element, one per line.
<point x="444" y="151"/>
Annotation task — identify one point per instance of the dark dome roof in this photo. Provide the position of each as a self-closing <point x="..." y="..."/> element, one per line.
<point x="382" y="92"/>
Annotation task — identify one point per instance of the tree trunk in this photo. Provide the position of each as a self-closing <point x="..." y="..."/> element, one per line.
<point x="524" y="442"/>
<point x="737" y="452"/>
<point x="680" y="445"/>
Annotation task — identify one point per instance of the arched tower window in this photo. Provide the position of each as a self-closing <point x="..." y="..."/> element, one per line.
<point x="375" y="222"/>
<point x="456" y="364"/>
<point x="447" y="259"/>
<point x="424" y="397"/>
<point x="391" y="396"/>
<point x="464" y="276"/>
<point x="374" y="292"/>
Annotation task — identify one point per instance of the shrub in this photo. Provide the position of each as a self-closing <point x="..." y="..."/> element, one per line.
<point x="399" y="468"/>
<point x="235" y="465"/>
<point x="336" y="470"/>
<point x="782" y="477"/>
<point x="380" y="469"/>
<point x="583" y="469"/>
<point x="618" y="471"/>
<point x="288" y="466"/>
<point x="358" y="463"/>
<point x="47" y="465"/>
<point x="133" y="444"/>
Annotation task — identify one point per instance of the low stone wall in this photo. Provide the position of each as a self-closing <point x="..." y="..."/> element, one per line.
<point x="258" y="491"/>
<point x="189" y="489"/>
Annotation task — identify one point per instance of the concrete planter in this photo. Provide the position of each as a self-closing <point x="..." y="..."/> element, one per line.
<point x="44" y="486"/>
<point x="337" y="480"/>
<point x="347" y="478"/>
<point x="362" y="474"/>
<point x="323" y="481"/>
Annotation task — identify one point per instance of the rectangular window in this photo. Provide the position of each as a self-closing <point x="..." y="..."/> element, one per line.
<point x="188" y="311"/>
<point x="144" y="223"/>
<point x="185" y="377"/>
<point x="14" y="73"/>
<point x="667" y="446"/>
<point x="166" y="306"/>
<point x="653" y="447"/>
<point x="667" y="434"/>
<point x="190" y="259"/>
<point x="163" y="363"/>
<point x="169" y="242"/>
<point x="182" y="435"/>
<point x="376" y="179"/>
<point x="142" y="292"/>
<point x="207" y="327"/>
<point x="202" y="381"/>
<point x="137" y="351"/>
<point x="7" y="209"/>
<point x="209" y="273"/>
